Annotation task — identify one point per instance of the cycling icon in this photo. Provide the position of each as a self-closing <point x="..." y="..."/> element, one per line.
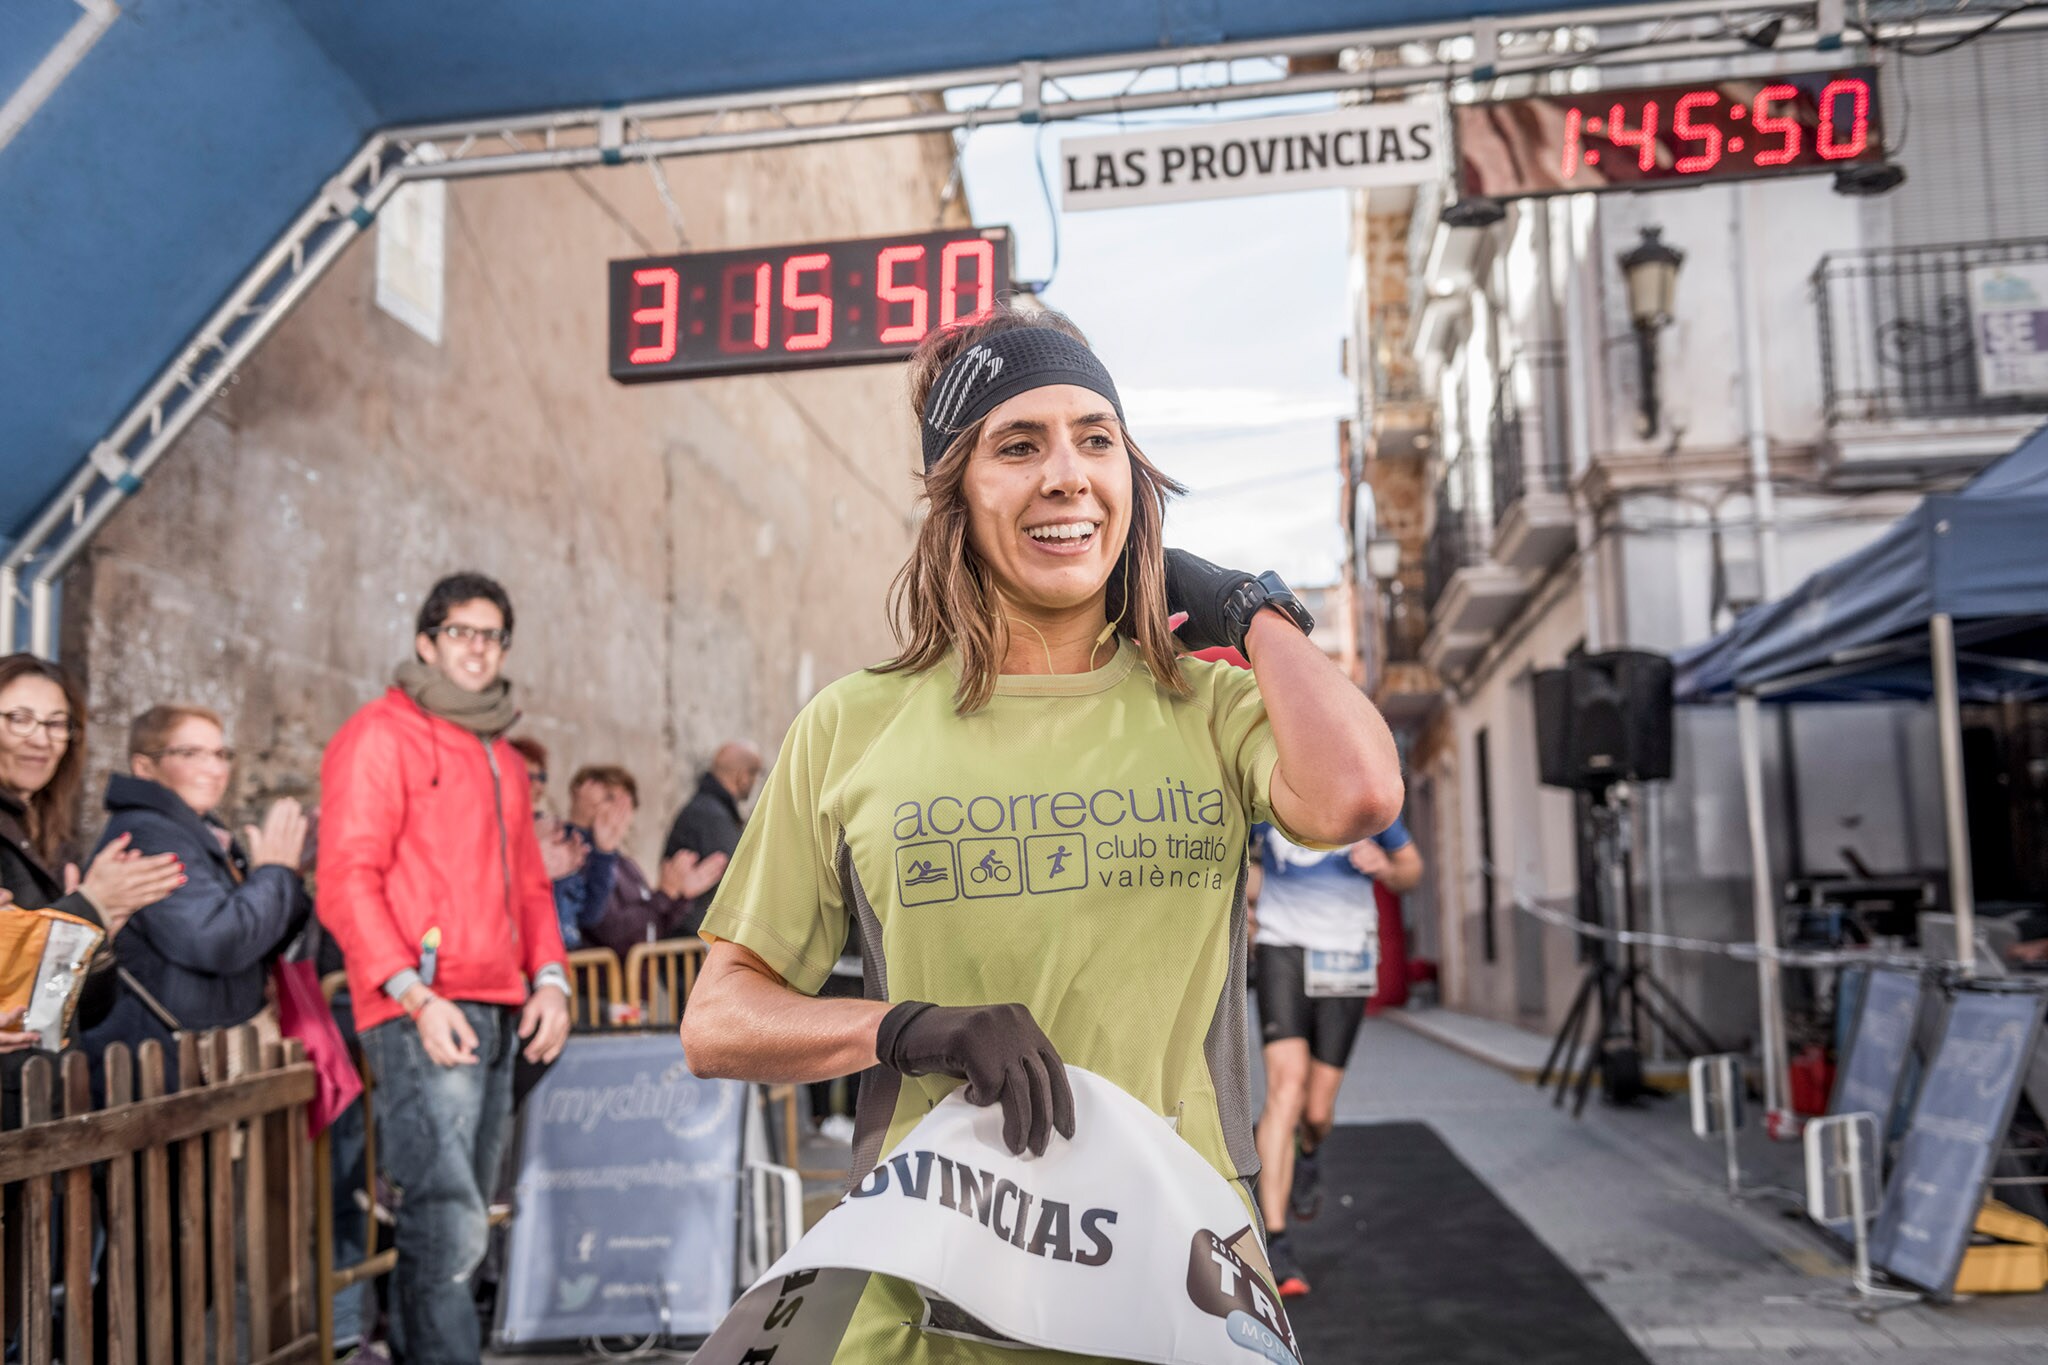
<point x="990" y="867"/>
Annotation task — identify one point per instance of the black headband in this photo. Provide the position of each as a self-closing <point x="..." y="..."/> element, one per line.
<point x="994" y="371"/>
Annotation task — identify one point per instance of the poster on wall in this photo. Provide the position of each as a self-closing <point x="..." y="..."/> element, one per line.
<point x="2009" y="319"/>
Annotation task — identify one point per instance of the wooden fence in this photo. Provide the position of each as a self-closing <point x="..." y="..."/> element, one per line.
<point x="207" y="1189"/>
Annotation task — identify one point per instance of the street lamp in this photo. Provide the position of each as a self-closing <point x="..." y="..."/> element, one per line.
<point x="1383" y="559"/>
<point x="1650" y="269"/>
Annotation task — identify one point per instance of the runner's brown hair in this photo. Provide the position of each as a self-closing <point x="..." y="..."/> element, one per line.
<point x="942" y="598"/>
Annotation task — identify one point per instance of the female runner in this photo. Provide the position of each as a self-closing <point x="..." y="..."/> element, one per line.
<point x="1035" y="815"/>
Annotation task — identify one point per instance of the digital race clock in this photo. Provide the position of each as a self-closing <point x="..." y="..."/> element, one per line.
<point x="1653" y="136"/>
<point x="809" y="305"/>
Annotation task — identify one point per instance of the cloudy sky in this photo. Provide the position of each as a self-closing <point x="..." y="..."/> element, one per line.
<point x="1222" y="321"/>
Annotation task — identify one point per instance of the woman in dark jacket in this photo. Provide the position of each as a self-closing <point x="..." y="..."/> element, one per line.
<point x="200" y="957"/>
<point x="42" y="761"/>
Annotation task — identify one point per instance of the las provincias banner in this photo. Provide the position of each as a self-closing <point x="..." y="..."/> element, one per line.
<point x="1121" y="1243"/>
<point x="1373" y="145"/>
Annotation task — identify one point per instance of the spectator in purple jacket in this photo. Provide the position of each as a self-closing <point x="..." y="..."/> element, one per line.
<point x="604" y="798"/>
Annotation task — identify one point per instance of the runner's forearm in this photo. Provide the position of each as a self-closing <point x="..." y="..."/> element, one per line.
<point x="1339" y="775"/>
<point x="743" y="1023"/>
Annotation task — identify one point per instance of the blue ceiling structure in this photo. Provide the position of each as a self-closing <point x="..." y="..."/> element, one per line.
<point x="1857" y="629"/>
<point x="193" y="131"/>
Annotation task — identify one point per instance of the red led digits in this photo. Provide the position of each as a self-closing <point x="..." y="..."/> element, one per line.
<point x="1644" y="139"/>
<point x="983" y="253"/>
<point x="662" y="315"/>
<point x="889" y="292"/>
<point x="1568" y="167"/>
<point x="1859" y="119"/>
<point x="819" y="306"/>
<point x="1767" y="123"/>
<point x="732" y="308"/>
<point x="1688" y="131"/>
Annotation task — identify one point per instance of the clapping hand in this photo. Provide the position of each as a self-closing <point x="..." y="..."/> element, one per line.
<point x="608" y="827"/>
<point x="281" y="839"/>
<point x="121" y="880"/>
<point x="686" y="875"/>
<point x="562" y="851"/>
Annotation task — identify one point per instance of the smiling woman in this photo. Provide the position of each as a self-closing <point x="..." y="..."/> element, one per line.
<point x="1093" y="545"/>
<point x="1035" y="816"/>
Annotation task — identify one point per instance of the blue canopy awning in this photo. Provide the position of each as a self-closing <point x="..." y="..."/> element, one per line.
<point x="1857" y="629"/>
<point x="192" y="131"/>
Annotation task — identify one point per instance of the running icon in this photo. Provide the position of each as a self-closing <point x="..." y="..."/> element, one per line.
<point x="1055" y="862"/>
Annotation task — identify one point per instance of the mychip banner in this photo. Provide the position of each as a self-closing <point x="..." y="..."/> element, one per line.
<point x="1121" y="1243"/>
<point x="628" y="1196"/>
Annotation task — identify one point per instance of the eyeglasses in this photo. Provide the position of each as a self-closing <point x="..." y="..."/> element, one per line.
<point x="462" y="635"/>
<point x="191" y="751"/>
<point x="21" y="724"/>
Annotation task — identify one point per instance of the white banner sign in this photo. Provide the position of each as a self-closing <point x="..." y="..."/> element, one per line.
<point x="1366" y="144"/>
<point x="2009" y="315"/>
<point x="1122" y="1243"/>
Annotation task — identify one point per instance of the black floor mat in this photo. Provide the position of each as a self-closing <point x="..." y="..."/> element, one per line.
<point x="1426" y="1266"/>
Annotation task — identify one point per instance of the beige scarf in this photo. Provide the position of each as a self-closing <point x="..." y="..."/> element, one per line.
<point x="488" y="713"/>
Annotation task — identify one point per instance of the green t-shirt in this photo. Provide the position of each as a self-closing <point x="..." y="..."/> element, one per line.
<point x="1078" y="845"/>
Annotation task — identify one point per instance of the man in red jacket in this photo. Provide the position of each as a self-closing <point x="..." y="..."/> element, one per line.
<point x="431" y="880"/>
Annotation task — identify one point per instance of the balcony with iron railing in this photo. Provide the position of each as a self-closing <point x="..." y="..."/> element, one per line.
<point x="1467" y="594"/>
<point x="1903" y="369"/>
<point x="1460" y="537"/>
<point x="1532" y="514"/>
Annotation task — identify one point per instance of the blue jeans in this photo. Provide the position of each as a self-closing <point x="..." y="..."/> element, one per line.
<point x="441" y="1135"/>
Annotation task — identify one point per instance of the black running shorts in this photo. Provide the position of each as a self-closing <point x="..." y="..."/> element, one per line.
<point x="1285" y="1010"/>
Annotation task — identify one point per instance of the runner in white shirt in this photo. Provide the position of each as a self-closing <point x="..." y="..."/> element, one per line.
<point x="1316" y="928"/>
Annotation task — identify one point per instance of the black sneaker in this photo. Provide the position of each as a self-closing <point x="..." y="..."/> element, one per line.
<point x="1287" y="1276"/>
<point x="1305" y="1200"/>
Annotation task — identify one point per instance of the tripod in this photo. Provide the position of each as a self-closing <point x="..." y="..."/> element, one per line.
<point x="1616" y="997"/>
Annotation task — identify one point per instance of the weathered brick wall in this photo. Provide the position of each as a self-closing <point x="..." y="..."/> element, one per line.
<point x="688" y="561"/>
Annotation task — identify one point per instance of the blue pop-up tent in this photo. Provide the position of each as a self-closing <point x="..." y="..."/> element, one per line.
<point x="1858" y="630"/>
<point x="1950" y="604"/>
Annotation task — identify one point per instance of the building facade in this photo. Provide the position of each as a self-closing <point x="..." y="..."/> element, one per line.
<point x="1817" y="376"/>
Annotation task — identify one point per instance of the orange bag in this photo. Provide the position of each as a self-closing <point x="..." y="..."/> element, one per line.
<point x="43" y="958"/>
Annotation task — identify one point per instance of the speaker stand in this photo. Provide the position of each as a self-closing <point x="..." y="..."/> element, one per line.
<point x="1615" y="997"/>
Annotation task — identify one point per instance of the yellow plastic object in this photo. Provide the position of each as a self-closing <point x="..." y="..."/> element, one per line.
<point x="2003" y="1268"/>
<point x="2008" y="1224"/>
<point x="2017" y="1263"/>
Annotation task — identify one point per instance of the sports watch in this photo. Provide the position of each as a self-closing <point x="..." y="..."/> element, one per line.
<point x="1273" y="592"/>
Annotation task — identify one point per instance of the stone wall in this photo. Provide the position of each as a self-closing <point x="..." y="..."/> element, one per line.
<point x="688" y="561"/>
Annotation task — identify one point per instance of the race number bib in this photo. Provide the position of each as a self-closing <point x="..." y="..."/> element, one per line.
<point x="1328" y="974"/>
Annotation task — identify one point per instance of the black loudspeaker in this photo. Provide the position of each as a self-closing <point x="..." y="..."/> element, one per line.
<point x="1553" y="693"/>
<point x="1604" y="718"/>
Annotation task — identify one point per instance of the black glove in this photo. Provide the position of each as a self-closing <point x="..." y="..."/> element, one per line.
<point x="1220" y="603"/>
<point x="1000" y="1052"/>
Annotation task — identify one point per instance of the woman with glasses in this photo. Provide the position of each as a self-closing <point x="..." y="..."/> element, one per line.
<point x="200" y="957"/>
<point x="42" y="763"/>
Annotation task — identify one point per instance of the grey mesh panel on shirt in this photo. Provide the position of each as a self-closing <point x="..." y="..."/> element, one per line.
<point x="1226" y="1049"/>
<point x="879" y="1086"/>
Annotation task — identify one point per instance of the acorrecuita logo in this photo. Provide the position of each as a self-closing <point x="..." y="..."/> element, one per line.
<point x="1038" y="1227"/>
